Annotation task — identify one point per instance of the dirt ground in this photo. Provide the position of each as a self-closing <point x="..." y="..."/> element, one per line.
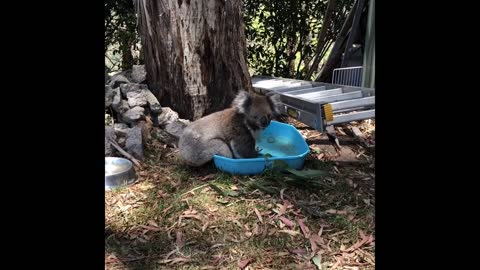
<point x="177" y="217"/>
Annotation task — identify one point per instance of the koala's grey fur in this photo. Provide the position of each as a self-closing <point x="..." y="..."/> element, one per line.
<point x="230" y="133"/>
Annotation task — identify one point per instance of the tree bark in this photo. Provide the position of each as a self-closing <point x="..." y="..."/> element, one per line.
<point x="195" y="53"/>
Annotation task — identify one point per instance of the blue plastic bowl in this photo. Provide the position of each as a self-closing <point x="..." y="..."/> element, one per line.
<point x="281" y="141"/>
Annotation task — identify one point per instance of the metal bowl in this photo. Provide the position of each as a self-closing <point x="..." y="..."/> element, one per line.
<point x="119" y="172"/>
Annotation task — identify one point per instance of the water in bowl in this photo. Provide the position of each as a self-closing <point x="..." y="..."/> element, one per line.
<point x="277" y="146"/>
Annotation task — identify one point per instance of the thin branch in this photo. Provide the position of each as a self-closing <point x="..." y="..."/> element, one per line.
<point x="124" y="153"/>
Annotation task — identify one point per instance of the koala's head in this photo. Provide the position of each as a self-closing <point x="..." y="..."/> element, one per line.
<point x="258" y="110"/>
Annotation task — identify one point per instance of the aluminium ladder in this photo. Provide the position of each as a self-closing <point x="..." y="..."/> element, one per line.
<point x="319" y="105"/>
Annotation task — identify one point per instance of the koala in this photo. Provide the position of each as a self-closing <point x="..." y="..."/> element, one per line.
<point x="230" y="133"/>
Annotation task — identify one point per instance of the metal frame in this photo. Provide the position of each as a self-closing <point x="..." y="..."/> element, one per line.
<point x="317" y="104"/>
<point x="351" y="76"/>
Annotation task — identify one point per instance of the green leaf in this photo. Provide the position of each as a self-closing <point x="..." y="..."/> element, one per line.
<point x="267" y="155"/>
<point x="218" y="190"/>
<point x="231" y="193"/>
<point x="279" y="165"/>
<point x="316" y="260"/>
<point x="307" y="174"/>
<point x="223" y="202"/>
<point x="257" y="185"/>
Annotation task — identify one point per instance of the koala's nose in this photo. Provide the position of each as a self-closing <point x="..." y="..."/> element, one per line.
<point x="264" y="121"/>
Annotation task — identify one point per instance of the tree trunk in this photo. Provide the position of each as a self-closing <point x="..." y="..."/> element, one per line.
<point x="354" y="32"/>
<point x="327" y="21"/>
<point x="127" y="56"/>
<point x="336" y="54"/>
<point x="195" y="53"/>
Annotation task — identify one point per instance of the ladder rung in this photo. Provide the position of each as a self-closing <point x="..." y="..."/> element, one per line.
<point x="347" y="104"/>
<point x="346" y="96"/>
<point x="319" y="93"/>
<point x="307" y="90"/>
<point x="295" y="85"/>
<point x="356" y="116"/>
<point x="268" y="83"/>
<point x="285" y="90"/>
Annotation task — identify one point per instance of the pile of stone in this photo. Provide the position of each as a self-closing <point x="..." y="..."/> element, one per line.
<point x="136" y="112"/>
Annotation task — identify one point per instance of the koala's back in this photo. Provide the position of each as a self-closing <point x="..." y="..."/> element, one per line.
<point x="215" y="125"/>
<point x="210" y="135"/>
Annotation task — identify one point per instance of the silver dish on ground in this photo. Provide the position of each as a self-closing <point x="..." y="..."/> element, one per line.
<point x="119" y="172"/>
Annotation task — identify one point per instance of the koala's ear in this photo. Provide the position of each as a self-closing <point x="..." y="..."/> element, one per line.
<point x="242" y="101"/>
<point x="275" y="102"/>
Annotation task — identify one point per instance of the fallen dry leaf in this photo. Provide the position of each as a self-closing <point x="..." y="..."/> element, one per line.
<point x="217" y="245"/>
<point x="112" y="258"/>
<point x="320" y="231"/>
<point x="365" y="239"/>
<point x="176" y="260"/>
<point x="243" y="263"/>
<point x="208" y="177"/>
<point x="198" y="217"/>
<point x="161" y="194"/>
<point x="328" y="246"/>
<point x="282" y="210"/>
<point x="205" y="225"/>
<point x="314" y="246"/>
<point x="337" y="263"/>
<point x="287" y="222"/>
<point x="166" y="209"/>
<point x="216" y="259"/>
<point x="170" y="254"/>
<point x="237" y="223"/>
<point x="371" y="240"/>
<point x="304" y="228"/>
<point x="315" y="240"/>
<point x="336" y="212"/>
<point x="281" y="193"/>
<point x="179" y="240"/>
<point x="152" y="223"/>
<point x="290" y="232"/>
<point x="298" y="251"/>
<point x="190" y="212"/>
<point x="255" y="229"/>
<point x="150" y="228"/>
<point x="125" y="208"/>
<point x="213" y="209"/>
<point x="258" y="214"/>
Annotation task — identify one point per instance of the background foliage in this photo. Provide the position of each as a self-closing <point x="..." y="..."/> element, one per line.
<point x="281" y="35"/>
